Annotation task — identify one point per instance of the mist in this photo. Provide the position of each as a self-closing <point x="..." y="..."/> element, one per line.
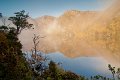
<point x="74" y="34"/>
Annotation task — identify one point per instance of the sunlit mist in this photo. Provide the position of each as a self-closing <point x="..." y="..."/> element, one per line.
<point x="79" y="33"/>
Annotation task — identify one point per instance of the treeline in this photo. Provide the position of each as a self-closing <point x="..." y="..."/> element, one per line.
<point x="15" y="66"/>
<point x="106" y="36"/>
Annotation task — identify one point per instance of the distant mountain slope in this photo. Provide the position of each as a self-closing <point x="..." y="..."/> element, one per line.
<point x="78" y="33"/>
<point x="45" y="20"/>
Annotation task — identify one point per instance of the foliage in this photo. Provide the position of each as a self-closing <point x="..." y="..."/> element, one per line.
<point x="55" y="73"/>
<point x="20" y="21"/>
<point x="49" y="71"/>
<point x="112" y="69"/>
<point x="115" y="73"/>
<point x="13" y="65"/>
<point x="99" y="77"/>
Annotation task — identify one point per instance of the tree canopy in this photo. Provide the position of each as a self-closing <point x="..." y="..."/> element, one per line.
<point x="20" y="20"/>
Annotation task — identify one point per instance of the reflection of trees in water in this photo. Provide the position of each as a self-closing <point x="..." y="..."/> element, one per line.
<point x="106" y="37"/>
<point x="113" y="40"/>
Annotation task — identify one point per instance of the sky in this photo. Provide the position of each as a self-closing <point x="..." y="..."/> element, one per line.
<point x="37" y="8"/>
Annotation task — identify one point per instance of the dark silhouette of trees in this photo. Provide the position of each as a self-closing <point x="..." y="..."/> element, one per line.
<point x="99" y="77"/>
<point x="0" y="15"/>
<point x="14" y="66"/>
<point x="20" y="21"/>
<point x="53" y="69"/>
<point x="118" y="73"/>
<point x="12" y="62"/>
<point x="115" y="72"/>
<point x="112" y="69"/>
<point x="54" y="72"/>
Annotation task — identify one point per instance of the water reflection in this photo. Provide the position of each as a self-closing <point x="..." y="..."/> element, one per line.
<point x="87" y="66"/>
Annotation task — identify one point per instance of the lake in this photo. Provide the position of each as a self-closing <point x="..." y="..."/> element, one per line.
<point x="87" y="66"/>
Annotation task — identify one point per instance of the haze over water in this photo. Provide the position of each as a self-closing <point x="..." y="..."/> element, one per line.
<point x="86" y="37"/>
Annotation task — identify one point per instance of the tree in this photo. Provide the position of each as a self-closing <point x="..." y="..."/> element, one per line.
<point x="53" y="68"/>
<point x="4" y="20"/>
<point x="112" y="69"/>
<point x="0" y="15"/>
<point x="52" y="72"/>
<point x="118" y="73"/>
<point x="20" y="21"/>
<point x="12" y="62"/>
<point x="37" y="60"/>
<point x="35" y="42"/>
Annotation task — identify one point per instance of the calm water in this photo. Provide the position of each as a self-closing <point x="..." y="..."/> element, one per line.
<point x="87" y="66"/>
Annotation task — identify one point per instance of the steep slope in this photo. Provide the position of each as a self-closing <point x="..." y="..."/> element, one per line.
<point x="80" y="33"/>
<point x="44" y="20"/>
